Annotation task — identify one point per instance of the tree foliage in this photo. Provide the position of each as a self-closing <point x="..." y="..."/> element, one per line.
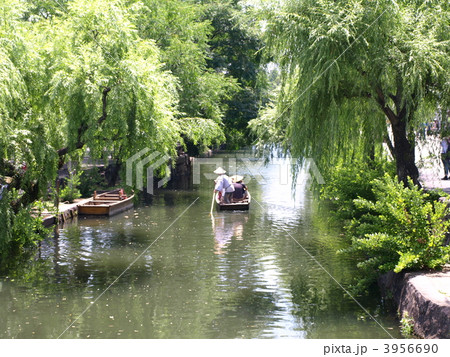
<point x="182" y="34"/>
<point x="236" y="50"/>
<point x="351" y="67"/>
<point x="106" y="77"/>
<point x="109" y="83"/>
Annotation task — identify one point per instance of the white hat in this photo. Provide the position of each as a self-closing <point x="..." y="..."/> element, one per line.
<point x="236" y="178"/>
<point x="219" y="171"/>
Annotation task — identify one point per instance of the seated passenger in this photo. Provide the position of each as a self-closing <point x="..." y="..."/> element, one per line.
<point x="240" y="190"/>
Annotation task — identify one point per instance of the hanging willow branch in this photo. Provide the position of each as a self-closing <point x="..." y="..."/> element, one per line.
<point x="347" y="66"/>
<point x="84" y="127"/>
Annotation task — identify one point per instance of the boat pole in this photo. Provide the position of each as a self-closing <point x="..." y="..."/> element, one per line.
<point x="212" y="203"/>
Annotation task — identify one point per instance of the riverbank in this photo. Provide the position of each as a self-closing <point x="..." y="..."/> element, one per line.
<point x="181" y="173"/>
<point x="424" y="297"/>
<point x="66" y="211"/>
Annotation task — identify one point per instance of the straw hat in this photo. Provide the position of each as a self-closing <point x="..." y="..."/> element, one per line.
<point x="219" y="171"/>
<point x="236" y="178"/>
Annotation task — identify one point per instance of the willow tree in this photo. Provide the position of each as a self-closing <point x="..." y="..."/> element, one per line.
<point x="27" y="157"/>
<point x="25" y="135"/>
<point x="355" y="73"/>
<point x="180" y="31"/>
<point x="108" y="85"/>
<point x="82" y="79"/>
<point x="86" y="78"/>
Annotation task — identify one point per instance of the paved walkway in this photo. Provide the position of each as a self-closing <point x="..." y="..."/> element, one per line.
<point x="430" y="165"/>
<point x="435" y="287"/>
<point x="66" y="211"/>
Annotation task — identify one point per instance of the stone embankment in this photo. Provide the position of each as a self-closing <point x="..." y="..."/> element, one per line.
<point x="425" y="297"/>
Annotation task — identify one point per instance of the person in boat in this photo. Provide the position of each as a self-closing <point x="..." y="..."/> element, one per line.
<point x="240" y="189"/>
<point x="223" y="185"/>
<point x="122" y="194"/>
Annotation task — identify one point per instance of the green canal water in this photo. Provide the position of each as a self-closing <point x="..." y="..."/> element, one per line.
<point x="169" y="270"/>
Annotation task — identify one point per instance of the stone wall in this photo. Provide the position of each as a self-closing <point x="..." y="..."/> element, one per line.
<point x="425" y="296"/>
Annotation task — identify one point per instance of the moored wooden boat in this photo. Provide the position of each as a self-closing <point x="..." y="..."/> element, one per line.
<point x="242" y="205"/>
<point x="106" y="204"/>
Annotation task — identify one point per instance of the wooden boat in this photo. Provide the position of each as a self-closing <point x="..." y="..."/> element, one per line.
<point x="106" y="204"/>
<point x="242" y="205"/>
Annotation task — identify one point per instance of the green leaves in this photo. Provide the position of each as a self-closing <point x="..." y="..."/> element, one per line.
<point x="82" y="79"/>
<point x="107" y="76"/>
<point x="347" y="66"/>
<point x="110" y="83"/>
<point x="18" y="229"/>
<point x="202" y="132"/>
<point x="181" y="32"/>
<point x="71" y="192"/>
<point x="346" y="185"/>
<point x="401" y="228"/>
<point x="389" y="227"/>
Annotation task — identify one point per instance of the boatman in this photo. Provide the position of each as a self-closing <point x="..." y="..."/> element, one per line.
<point x="223" y="185"/>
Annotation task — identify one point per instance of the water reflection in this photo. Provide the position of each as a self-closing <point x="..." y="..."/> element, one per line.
<point x="227" y="226"/>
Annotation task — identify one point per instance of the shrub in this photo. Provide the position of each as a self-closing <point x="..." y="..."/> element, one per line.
<point x="345" y="183"/>
<point x="407" y="325"/>
<point x="91" y="180"/>
<point x="19" y="229"/>
<point x="400" y="229"/>
<point x="71" y="192"/>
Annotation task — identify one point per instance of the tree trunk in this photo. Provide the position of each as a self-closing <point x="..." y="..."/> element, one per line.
<point x="82" y="129"/>
<point x="402" y="149"/>
<point x="112" y="173"/>
<point x="404" y="153"/>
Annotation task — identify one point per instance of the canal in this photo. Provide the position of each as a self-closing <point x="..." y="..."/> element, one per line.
<point x="170" y="270"/>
